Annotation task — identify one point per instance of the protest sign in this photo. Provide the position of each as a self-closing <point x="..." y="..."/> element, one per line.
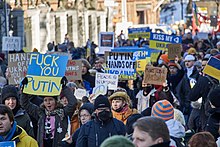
<point x="17" y="67"/>
<point x="100" y="90"/>
<point x="79" y="93"/>
<point x="110" y="79"/>
<point x="155" y="75"/>
<point x="121" y="64"/>
<point x="212" y="68"/>
<point x="134" y="33"/>
<point x="106" y="41"/>
<point x="74" y="70"/>
<point x="11" y="43"/>
<point x="174" y="50"/>
<point x="7" y="144"/>
<point x="160" y="41"/>
<point x="44" y="74"/>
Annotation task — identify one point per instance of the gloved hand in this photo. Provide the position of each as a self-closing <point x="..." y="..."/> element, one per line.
<point x="23" y="83"/>
<point x="64" y="81"/>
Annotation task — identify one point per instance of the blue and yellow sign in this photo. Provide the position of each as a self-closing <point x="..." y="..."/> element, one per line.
<point x="160" y="41"/>
<point x="44" y="74"/>
<point x="139" y="32"/>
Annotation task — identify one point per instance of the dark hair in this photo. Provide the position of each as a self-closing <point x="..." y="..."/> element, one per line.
<point x="6" y="110"/>
<point x="155" y="127"/>
<point x="202" y="139"/>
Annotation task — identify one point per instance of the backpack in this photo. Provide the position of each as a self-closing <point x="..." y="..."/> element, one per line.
<point x="179" y="141"/>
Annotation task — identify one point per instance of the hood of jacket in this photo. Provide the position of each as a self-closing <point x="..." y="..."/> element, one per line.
<point x="175" y="128"/>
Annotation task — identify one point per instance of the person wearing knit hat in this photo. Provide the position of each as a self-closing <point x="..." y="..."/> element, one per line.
<point x="10" y="98"/>
<point x="94" y="132"/>
<point x="86" y="76"/>
<point x="163" y="109"/>
<point x="163" y="59"/>
<point x="117" y="141"/>
<point x="214" y="117"/>
<point x="121" y="106"/>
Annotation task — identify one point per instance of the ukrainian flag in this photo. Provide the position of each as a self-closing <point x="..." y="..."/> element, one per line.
<point x="213" y="68"/>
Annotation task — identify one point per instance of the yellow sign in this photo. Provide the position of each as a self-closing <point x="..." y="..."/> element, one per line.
<point x="158" y="45"/>
<point x="45" y="86"/>
<point x="137" y="35"/>
<point x="154" y="56"/>
<point x="141" y="64"/>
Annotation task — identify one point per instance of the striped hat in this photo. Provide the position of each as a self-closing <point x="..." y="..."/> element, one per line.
<point x="163" y="109"/>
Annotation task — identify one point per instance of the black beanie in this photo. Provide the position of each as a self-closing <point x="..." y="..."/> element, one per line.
<point x="130" y="121"/>
<point x="87" y="106"/>
<point x="214" y="97"/>
<point x="101" y="101"/>
<point x="9" y="91"/>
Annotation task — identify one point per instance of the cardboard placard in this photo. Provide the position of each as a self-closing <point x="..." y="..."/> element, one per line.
<point x="100" y="90"/>
<point x="44" y="74"/>
<point x="73" y="70"/>
<point x="11" y="43"/>
<point x="155" y="75"/>
<point x="110" y="79"/>
<point x="174" y="50"/>
<point x="79" y="93"/>
<point x="17" y="67"/>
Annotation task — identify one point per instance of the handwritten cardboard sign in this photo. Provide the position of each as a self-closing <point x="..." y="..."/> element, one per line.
<point x="155" y="75"/>
<point x="79" y="93"/>
<point x="74" y="70"/>
<point x="44" y="74"/>
<point x="174" y="50"/>
<point x="100" y="90"/>
<point x="17" y="67"/>
<point x="110" y="79"/>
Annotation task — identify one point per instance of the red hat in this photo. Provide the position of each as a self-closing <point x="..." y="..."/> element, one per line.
<point x="172" y="64"/>
<point x="164" y="57"/>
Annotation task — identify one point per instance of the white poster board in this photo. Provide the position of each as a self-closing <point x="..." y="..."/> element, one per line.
<point x="110" y="79"/>
<point x="11" y="43"/>
<point x="106" y="42"/>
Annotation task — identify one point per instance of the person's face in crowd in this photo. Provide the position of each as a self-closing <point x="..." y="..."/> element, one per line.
<point x="11" y="102"/>
<point x="116" y="104"/>
<point x="64" y="101"/>
<point x="201" y="55"/>
<point x="98" y="63"/>
<point x="189" y="36"/>
<point x="218" y="47"/>
<point x="189" y="63"/>
<point x="142" y="139"/>
<point x="173" y="70"/>
<point x="97" y="111"/>
<point x="204" y="64"/>
<point x="5" y="124"/>
<point x="49" y="103"/>
<point x="84" y="69"/>
<point x="199" y="45"/>
<point x="84" y="116"/>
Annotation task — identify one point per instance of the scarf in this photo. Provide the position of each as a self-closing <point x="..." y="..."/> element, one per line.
<point x="59" y="112"/>
<point x="10" y="133"/>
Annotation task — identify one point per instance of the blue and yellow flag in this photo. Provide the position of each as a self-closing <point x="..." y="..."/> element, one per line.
<point x="213" y="68"/>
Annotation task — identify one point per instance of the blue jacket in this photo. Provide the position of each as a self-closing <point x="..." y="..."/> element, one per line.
<point x="93" y="133"/>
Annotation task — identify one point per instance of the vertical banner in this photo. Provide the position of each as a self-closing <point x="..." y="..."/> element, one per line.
<point x="155" y="75"/>
<point x="74" y="70"/>
<point x="44" y="74"/>
<point x="121" y="64"/>
<point x="106" y="41"/>
<point x="17" y="66"/>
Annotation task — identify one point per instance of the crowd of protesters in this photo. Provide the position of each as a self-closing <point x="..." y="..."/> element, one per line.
<point x="184" y="111"/>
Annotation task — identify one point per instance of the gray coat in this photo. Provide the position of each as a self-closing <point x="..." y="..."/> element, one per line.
<point x="61" y="123"/>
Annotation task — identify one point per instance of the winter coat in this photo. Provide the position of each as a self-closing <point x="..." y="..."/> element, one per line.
<point x="24" y="121"/>
<point x="124" y="114"/>
<point x="183" y="90"/>
<point x="22" y="139"/>
<point x="213" y="123"/>
<point x="94" y="132"/>
<point x="173" y="80"/>
<point x="61" y="120"/>
<point x="91" y="79"/>
<point x="144" y="101"/>
<point x="163" y="144"/>
<point x="201" y="89"/>
<point x="176" y="130"/>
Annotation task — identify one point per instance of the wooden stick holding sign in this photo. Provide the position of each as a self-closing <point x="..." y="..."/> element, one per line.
<point x="174" y="50"/>
<point x="155" y="75"/>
